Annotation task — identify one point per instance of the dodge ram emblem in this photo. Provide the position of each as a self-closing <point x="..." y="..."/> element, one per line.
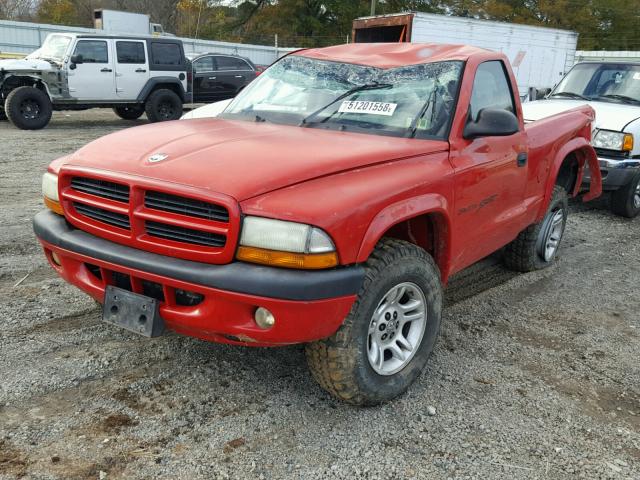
<point x="158" y="157"/>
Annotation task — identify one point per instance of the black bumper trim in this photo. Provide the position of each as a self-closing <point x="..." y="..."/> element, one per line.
<point x="237" y="277"/>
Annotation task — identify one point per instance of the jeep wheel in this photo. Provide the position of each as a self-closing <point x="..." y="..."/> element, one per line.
<point x="626" y="200"/>
<point x="28" y="108"/>
<point x="129" y="112"/>
<point x="385" y="341"/>
<point x="536" y="247"/>
<point x="163" y="105"/>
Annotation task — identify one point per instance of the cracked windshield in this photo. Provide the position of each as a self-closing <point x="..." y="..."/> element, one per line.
<point x="416" y="100"/>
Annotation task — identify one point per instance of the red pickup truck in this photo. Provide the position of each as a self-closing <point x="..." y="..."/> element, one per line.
<point x="328" y="205"/>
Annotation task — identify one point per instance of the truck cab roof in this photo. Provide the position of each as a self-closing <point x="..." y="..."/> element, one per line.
<point x="393" y="55"/>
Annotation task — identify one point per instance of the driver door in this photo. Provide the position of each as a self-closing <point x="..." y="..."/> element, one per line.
<point x="94" y="78"/>
<point x="490" y="173"/>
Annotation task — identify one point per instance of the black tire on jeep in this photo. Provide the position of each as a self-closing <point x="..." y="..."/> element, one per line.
<point x="536" y="247"/>
<point x="129" y="112"/>
<point x="626" y="200"/>
<point x="28" y="108"/>
<point x="163" y="105"/>
<point x="385" y="341"/>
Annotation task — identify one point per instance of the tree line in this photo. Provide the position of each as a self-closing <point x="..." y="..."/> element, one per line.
<point x="601" y="24"/>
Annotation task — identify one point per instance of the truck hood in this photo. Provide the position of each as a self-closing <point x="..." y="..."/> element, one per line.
<point x="609" y="116"/>
<point x="25" y="65"/>
<point x="238" y="158"/>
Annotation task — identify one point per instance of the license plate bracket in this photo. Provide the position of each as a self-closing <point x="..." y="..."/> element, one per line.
<point x="132" y="311"/>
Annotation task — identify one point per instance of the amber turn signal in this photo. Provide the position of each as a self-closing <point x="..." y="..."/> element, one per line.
<point x="627" y="142"/>
<point x="312" y="261"/>
<point x="53" y="206"/>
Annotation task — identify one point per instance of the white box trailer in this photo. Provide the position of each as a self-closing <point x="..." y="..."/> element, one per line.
<point x="114" y="21"/>
<point x="539" y="56"/>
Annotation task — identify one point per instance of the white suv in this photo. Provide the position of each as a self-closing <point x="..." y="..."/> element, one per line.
<point x="132" y="75"/>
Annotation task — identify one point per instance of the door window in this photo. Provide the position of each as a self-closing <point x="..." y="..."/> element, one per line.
<point x="166" y="54"/>
<point x="231" y="64"/>
<point x="92" y="51"/>
<point x="491" y="89"/>
<point x="204" y="64"/>
<point x="130" y="52"/>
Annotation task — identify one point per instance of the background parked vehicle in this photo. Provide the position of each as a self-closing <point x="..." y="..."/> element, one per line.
<point x="539" y="56"/>
<point x="132" y="75"/>
<point x="612" y="89"/>
<point x="114" y="21"/>
<point x="207" y="111"/>
<point x="218" y="77"/>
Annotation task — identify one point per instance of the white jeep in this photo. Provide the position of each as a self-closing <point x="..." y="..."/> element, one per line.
<point x="132" y="75"/>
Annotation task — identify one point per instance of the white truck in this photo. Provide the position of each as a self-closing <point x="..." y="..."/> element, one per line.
<point x="539" y="56"/>
<point x="612" y="89"/>
<point x="114" y="21"/>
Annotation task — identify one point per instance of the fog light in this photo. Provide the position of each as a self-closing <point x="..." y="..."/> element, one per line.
<point x="264" y="318"/>
<point x="55" y="258"/>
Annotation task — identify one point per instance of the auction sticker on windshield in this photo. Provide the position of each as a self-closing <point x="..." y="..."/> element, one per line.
<point x="373" y="108"/>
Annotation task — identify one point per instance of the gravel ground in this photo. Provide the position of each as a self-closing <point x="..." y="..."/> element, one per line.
<point x="534" y="376"/>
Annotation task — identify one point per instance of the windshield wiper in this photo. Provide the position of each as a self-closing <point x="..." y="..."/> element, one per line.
<point x="624" y="98"/>
<point x="569" y="94"/>
<point x="369" y="86"/>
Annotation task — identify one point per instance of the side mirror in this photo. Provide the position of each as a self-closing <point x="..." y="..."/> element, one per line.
<point x="492" y="122"/>
<point x="77" y="59"/>
<point x="542" y="92"/>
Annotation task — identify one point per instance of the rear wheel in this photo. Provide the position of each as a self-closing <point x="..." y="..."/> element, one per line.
<point x="626" y="200"/>
<point x="163" y="105"/>
<point x="385" y="341"/>
<point x="129" y="112"/>
<point x="536" y="247"/>
<point x="28" y="108"/>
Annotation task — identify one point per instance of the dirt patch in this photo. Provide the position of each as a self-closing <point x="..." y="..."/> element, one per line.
<point x="12" y="461"/>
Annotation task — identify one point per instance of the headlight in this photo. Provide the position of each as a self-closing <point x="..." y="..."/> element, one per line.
<point x="285" y="244"/>
<point x="50" y="192"/>
<point x="613" y="140"/>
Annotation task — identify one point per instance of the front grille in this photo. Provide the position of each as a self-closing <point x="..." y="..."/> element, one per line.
<point x="185" y="235"/>
<point x="101" y="188"/>
<point x="185" y="206"/>
<point x="104" y="216"/>
<point x="613" y="154"/>
<point x="120" y="209"/>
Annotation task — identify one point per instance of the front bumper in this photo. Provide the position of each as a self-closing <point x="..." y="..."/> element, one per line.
<point x="616" y="173"/>
<point x="307" y="305"/>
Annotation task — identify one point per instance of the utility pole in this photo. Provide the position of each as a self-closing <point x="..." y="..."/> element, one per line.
<point x="373" y="7"/>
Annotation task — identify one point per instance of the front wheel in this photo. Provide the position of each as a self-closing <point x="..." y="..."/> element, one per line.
<point x="28" y="108"/>
<point x="626" y="200"/>
<point x="385" y="341"/>
<point x="129" y="112"/>
<point x="163" y="105"/>
<point x="536" y="247"/>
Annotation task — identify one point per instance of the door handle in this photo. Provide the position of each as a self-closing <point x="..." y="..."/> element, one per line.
<point x="106" y="70"/>
<point x="239" y="76"/>
<point x="212" y="78"/>
<point x="522" y="159"/>
<point x="141" y="70"/>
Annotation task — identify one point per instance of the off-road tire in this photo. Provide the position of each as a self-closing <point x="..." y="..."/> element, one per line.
<point x="28" y="108"/>
<point x="523" y="253"/>
<point x="163" y="105"/>
<point x="623" y="200"/>
<point x="340" y="363"/>
<point x="129" y="112"/>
